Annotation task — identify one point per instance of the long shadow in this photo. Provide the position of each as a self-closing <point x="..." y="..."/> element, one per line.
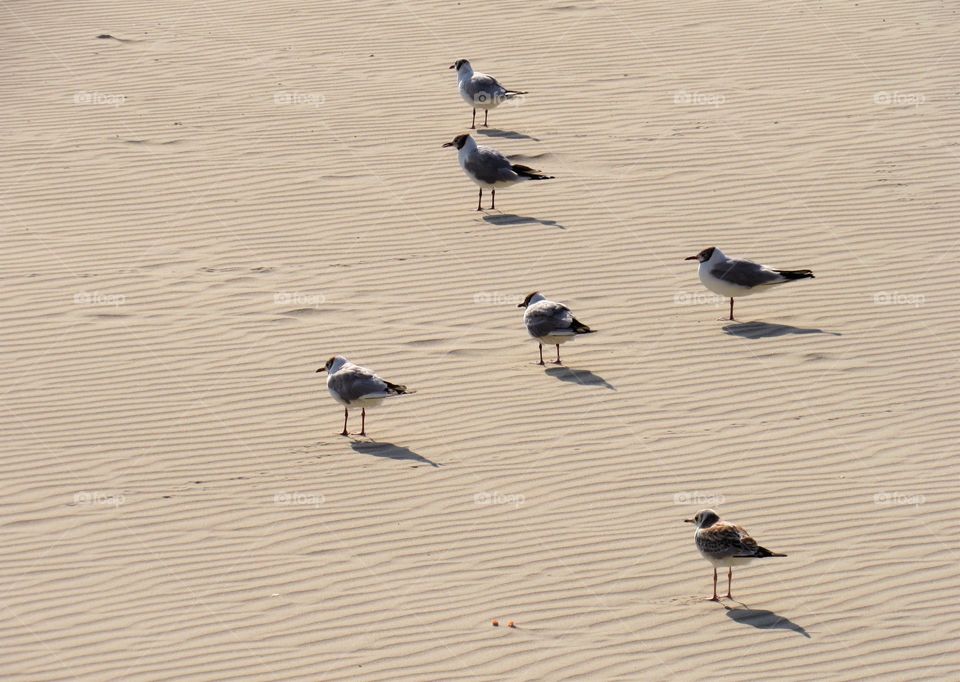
<point x="390" y="451"/>
<point x="763" y="330"/>
<point x="764" y="620"/>
<point x="509" y="134"/>
<point x="583" y="377"/>
<point x="506" y="219"/>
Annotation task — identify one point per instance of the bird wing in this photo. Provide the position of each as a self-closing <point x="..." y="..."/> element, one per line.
<point x="481" y="83"/>
<point x="490" y="166"/>
<point x="548" y="317"/>
<point x="726" y="539"/>
<point x="354" y="383"/>
<point x="745" y="273"/>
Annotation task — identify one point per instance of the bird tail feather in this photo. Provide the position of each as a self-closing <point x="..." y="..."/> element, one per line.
<point x="529" y="173"/>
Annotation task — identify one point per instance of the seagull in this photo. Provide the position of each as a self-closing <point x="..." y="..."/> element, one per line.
<point x="551" y="323"/>
<point x="725" y="544"/>
<point x="489" y="168"/>
<point x="355" y="386"/>
<point x="480" y="90"/>
<point x="734" y="277"/>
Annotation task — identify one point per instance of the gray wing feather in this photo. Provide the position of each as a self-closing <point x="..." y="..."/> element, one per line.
<point x="483" y="84"/>
<point x="352" y="383"/>
<point x="745" y="273"/>
<point x="546" y="318"/>
<point x="490" y="166"/>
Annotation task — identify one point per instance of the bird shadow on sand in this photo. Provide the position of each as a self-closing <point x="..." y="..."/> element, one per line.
<point x="390" y="451"/>
<point x="584" y="377"/>
<point x="509" y="134"/>
<point x="507" y="219"/>
<point x="764" y="620"/>
<point x="765" y="330"/>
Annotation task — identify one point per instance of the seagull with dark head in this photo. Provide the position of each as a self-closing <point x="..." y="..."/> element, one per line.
<point x="481" y="91"/>
<point x="355" y="386"/>
<point x="725" y="545"/>
<point x="550" y="323"/>
<point x="734" y="277"/>
<point x="490" y="169"/>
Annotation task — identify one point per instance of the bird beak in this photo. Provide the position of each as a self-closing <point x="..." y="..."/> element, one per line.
<point x="322" y="369"/>
<point x="448" y="144"/>
<point x="692" y="258"/>
<point x="453" y="66"/>
<point x="519" y="305"/>
<point x="688" y="521"/>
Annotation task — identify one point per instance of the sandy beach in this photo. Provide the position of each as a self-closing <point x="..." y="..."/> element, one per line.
<point x="203" y="202"/>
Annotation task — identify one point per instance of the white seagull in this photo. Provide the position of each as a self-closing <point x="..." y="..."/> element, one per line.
<point x="490" y="169"/>
<point x="734" y="277"/>
<point x="480" y="90"/>
<point x="551" y="323"/>
<point x="725" y="544"/>
<point x="355" y="386"/>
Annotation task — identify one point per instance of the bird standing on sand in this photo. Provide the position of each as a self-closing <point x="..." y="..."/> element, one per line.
<point x="551" y="323"/>
<point x="734" y="277"/>
<point x="725" y="544"/>
<point x="355" y="386"/>
<point x="490" y="169"/>
<point x="480" y="90"/>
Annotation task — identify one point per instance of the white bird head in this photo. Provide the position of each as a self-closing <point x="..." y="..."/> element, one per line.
<point x="704" y="518"/>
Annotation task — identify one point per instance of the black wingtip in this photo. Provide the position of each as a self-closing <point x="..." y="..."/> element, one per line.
<point x="796" y="274"/>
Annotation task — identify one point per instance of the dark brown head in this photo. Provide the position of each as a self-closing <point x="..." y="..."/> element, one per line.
<point x="459" y="63"/>
<point x="530" y="299"/>
<point x="329" y="364"/>
<point x="458" y="141"/>
<point x="704" y="255"/>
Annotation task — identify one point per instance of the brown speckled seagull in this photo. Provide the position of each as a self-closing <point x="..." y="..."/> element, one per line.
<point x="725" y="544"/>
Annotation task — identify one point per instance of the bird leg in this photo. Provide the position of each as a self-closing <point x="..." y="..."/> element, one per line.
<point x="557" y="361"/>
<point x="729" y="582"/>
<point x="363" y="422"/>
<point x="493" y="199"/>
<point x="346" y="413"/>
<point x="486" y="112"/>
<point x="474" y="124"/>
<point x="715" y="597"/>
<point x="479" y="199"/>
<point x="541" y="353"/>
<point x="731" y="308"/>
